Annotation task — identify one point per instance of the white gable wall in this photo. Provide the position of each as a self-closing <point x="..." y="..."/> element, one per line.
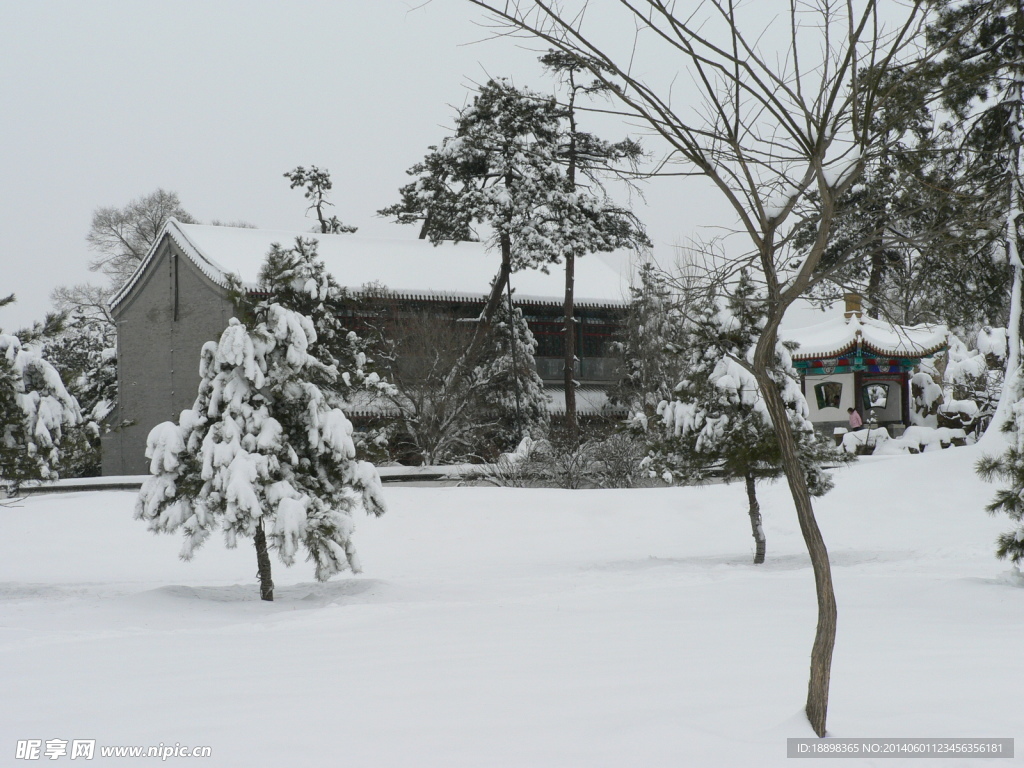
<point x="834" y="413"/>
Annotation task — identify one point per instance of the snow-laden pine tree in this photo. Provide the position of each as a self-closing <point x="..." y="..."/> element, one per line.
<point x="592" y="221"/>
<point x="513" y="392"/>
<point x="649" y="349"/>
<point x="261" y="454"/>
<point x="297" y="279"/>
<point x="499" y="171"/>
<point x="716" y="424"/>
<point x="982" y="85"/>
<point x="36" y="410"/>
<point x="519" y="169"/>
<point x="84" y="352"/>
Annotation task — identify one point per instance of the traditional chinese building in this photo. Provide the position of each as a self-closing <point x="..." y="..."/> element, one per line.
<point x="858" y="362"/>
<point x="180" y="297"/>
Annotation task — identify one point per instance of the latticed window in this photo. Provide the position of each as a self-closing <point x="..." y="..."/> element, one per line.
<point x="829" y="394"/>
<point x="550" y="339"/>
<point x="597" y="340"/>
<point x="875" y="395"/>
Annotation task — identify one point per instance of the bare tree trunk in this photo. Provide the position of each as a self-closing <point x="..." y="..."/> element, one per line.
<point x="879" y="264"/>
<point x="500" y="281"/>
<point x="755" y="520"/>
<point x="515" y="365"/>
<point x="263" y="564"/>
<point x="825" y="635"/>
<point x="572" y="428"/>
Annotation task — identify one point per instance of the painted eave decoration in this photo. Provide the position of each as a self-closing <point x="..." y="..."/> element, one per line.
<point x="859" y="343"/>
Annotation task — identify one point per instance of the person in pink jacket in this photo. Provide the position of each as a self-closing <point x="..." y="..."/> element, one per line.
<point x="856" y="422"/>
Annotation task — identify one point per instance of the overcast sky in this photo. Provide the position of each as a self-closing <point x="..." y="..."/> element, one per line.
<point x="107" y="100"/>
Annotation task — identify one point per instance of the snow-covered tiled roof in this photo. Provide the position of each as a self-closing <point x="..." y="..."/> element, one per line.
<point x="409" y="268"/>
<point x="840" y="335"/>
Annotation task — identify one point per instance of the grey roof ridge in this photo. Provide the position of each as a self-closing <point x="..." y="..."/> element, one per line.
<point x="172" y="229"/>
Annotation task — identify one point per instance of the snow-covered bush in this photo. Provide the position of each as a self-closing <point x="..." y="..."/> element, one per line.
<point x="453" y="399"/>
<point x="962" y="390"/>
<point x="602" y="456"/>
<point x="916" y="440"/>
<point x="262" y="454"/>
<point x="863" y="441"/>
<point x="35" y="412"/>
<point x="925" y="399"/>
<point x="973" y="381"/>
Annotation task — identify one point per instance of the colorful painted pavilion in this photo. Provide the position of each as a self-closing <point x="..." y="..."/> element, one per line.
<point x="858" y="362"/>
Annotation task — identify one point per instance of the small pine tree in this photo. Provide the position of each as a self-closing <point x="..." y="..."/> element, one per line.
<point x="1009" y="468"/>
<point x="261" y="454"/>
<point x="297" y="279"/>
<point x="513" y="391"/>
<point x="317" y="183"/>
<point x="716" y="422"/>
<point x="84" y="352"/>
<point x="36" y="410"/>
<point x="649" y="348"/>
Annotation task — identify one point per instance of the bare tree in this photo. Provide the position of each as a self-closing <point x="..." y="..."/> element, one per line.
<point x="782" y="121"/>
<point x="439" y="414"/>
<point x="489" y="405"/>
<point x="121" y="237"/>
<point x="88" y="299"/>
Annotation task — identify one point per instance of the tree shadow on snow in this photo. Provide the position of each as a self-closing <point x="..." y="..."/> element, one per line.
<point x="305" y="595"/>
<point x="786" y="562"/>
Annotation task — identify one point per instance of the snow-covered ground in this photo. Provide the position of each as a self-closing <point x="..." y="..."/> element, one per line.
<point x="506" y="627"/>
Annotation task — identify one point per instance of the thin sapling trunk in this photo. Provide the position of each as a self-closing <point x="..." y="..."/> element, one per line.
<point x="263" y="564"/>
<point x="755" y="520"/>
<point x="825" y="634"/>
<point x="569" y="373"/>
